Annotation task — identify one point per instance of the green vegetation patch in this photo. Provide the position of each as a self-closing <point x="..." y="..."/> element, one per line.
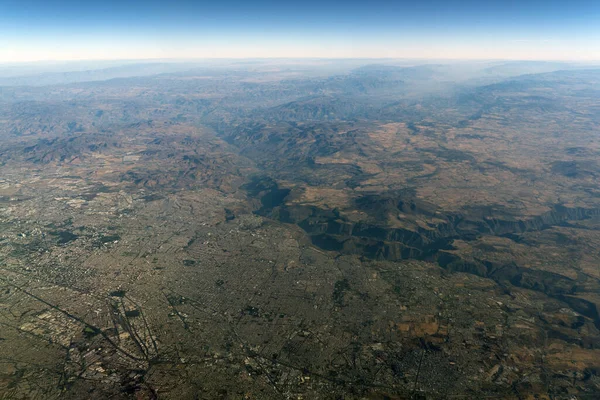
<point x="64" y="237"/>
<point x="339" y="290"/>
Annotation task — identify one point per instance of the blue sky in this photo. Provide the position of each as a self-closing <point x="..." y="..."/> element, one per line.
<point x="96" y="29"/>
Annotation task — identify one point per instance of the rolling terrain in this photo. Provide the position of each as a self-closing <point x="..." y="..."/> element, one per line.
<point x="361" y="229"/>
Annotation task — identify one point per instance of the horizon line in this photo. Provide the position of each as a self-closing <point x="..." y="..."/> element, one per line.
<point x="180" y="59"/>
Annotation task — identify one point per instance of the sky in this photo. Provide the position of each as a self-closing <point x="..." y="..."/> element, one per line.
<point x="36" y="30"/>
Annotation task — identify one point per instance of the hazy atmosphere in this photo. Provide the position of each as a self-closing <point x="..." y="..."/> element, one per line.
<point x="33" y="30"/>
